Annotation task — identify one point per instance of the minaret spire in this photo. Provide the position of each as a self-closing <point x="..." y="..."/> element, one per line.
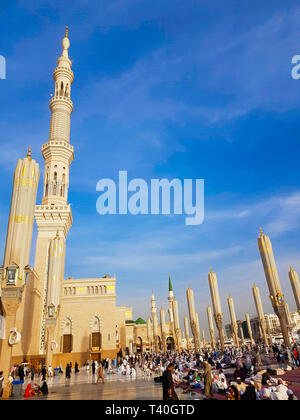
<point x="170" y="284"/>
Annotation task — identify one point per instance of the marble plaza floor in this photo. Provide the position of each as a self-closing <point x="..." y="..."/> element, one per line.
<point x="82" y="386"/>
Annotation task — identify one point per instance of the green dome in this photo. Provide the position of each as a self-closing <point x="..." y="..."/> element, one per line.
<point x="140" y="321"/>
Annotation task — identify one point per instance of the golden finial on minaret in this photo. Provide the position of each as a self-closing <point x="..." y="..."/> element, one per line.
<point x="29" y="152"/>
<point x="261" y="232"/>
<point x="67" y="31"/>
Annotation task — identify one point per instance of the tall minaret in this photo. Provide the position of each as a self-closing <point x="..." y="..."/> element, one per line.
<point x="54" y="217"/>
<point x="163" y="329"/>
<point x="277" y="298"/>
<point x="295" y="286"/>
<point x="154" y="323"/>
<point x="171" y="309"/>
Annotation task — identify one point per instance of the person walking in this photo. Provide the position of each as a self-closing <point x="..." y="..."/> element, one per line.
<point x="76" y="367"/>
<point x="168" y="385"/>
<point x="68" y="371"/>
<point x="21" y="373"/>
<point x="93" y="367"/>
<point x="32" y="373"/>
<point x="100" y="374"/>
<point x="44" y="373"/>
<point x="208" y="385"/>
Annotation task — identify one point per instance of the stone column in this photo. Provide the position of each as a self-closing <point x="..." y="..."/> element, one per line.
<point x="187" y="333"/>
<point x="249" y="329"/>
<point x="193" y="319"/>
<point x="11" y="299"/>
<point x="260" y="313"/>
<point x="234" y="324"/>
<point x="241" y="332"/>
<point x="295" y="286"/>
<point x="277" y="298"/>
<point x="198" y="328"/>
<point x="203" y="338"/>
<point x="51" y="344"/>
<point x="215" y="297"/>
<point x="149" y="334"/>
<point x="177" y="325"/>
<point x="211" y="327"/>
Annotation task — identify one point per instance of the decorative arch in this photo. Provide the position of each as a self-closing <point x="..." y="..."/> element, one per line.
<point x="95" y="323"/>
<point x="95" y="335"/>
<point x="67" y="334"/>
<point x="170" y="343"/>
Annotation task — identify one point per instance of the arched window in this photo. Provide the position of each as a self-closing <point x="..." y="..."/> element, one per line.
<point x="61" y="93"/>
<point x="47" y="185"/>
<point x="55" y="183"/>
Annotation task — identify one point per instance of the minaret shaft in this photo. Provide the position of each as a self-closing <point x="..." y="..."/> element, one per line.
<point x="54" y="216"/>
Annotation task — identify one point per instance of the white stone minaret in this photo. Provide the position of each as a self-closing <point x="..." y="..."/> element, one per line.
<point x="154" y="322"/>
<point x="54" y="217"/>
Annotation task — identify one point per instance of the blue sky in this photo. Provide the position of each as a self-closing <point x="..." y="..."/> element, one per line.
<point x="165" y="89"/>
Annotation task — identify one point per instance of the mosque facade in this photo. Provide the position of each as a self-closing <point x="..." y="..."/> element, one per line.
<point x="46" y="318"/>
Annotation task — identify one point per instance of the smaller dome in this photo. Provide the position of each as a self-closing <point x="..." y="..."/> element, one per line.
<point x="140" y="321"/>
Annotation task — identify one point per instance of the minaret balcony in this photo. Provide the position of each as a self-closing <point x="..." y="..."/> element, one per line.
<point x="57" y="101"/>
<point x="58" y="149"/>
<point x="64" y="72"/>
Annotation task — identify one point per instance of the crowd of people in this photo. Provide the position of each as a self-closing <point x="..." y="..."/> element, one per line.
<point x="246" y="373"/>
<point x="236" y="374"/>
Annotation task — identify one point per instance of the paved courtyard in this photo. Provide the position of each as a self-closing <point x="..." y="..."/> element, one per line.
<point x="82" y="386"/>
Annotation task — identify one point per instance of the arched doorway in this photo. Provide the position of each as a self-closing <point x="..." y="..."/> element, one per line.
<point x="67" y="341"/>
<point x="95" y="337"/>
<point x="170" y="343"/>
<point x="139" y="345"/>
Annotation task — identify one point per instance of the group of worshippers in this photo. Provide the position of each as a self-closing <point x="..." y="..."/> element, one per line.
<point x="205" y="372"/>
<point x="253" y="389"/>
<point x="127" y="369"/>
